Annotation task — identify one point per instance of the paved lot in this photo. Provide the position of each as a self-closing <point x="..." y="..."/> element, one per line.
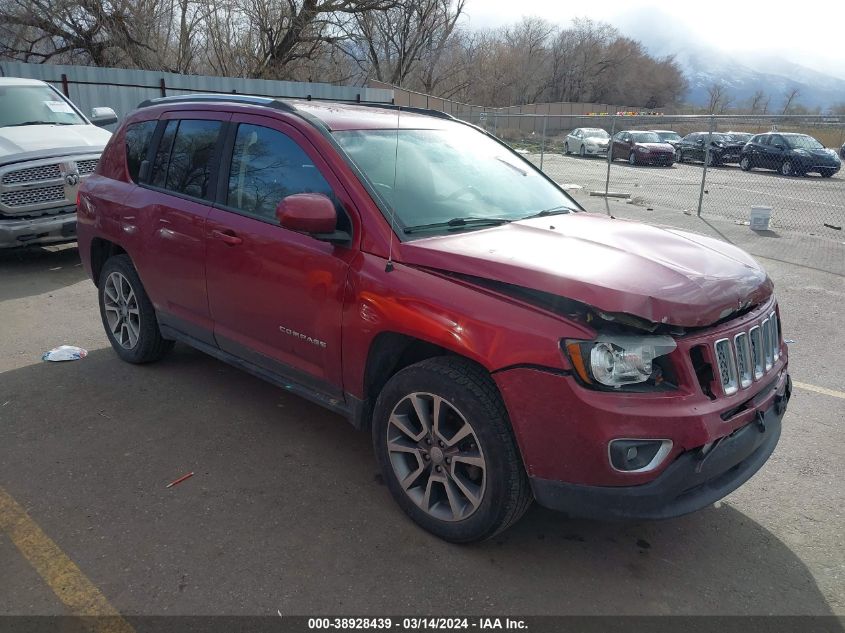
<point x="286" y="511"/>
<point x="798" y="203"/>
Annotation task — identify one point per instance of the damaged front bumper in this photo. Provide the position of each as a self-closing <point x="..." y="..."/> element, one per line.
<point x="696" y="479"/>
<point x="47" y="229"/>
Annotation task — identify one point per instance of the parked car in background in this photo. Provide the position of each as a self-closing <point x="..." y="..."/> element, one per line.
<point x="586" y="141"/>
<point x="410" y="279"/>
<point x="668" y="136"/>
<point x="642" y="148"/>
<point x="47" y="146"/>
<point x="725" y="147"/>
<point x="790" y="154"/>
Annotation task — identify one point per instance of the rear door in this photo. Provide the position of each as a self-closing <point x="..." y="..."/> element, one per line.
<point x="276" y="295"/>
<point x="170" y="218"/>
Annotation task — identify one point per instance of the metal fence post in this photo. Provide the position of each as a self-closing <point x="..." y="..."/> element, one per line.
<point x="706" y="160"/>
<point x="543" y="141"/>
<point x="609" y="161"/>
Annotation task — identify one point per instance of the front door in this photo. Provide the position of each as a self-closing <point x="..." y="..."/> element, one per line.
<point x="276" y="295"/>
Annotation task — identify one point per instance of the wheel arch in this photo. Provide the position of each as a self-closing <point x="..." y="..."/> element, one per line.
<point x="101" y="250"/>
<point x="389" y="353"/>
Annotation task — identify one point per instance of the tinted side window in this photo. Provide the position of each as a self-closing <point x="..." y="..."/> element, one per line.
<point x="266" y="167"/>
<point x="138" y="136"/>
<point x="190" y="159"/>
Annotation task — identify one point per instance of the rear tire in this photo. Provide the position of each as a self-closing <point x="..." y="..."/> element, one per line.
<point x="461" y="490"/>
<point x="128" y="315"/>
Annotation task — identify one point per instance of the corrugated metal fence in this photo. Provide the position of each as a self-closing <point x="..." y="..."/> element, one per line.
<point x="123" y="89"/>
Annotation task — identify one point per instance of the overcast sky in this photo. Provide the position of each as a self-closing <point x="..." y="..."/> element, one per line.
<point x="809" y="33"/>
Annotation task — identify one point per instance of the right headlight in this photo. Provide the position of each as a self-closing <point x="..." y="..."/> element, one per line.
<point x="616" y="361"/>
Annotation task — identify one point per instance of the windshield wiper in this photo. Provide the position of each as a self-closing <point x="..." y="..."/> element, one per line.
<point x="553" y="211"/>
<point x="456" y="223"/>
<point x="38" y="123"/>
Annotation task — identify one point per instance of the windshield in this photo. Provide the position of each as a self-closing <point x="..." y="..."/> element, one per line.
<point x="803" y="142"/>
<point x="669" y="136"/>
<point x="31" y="105"/>
<point x="645" y="137"/>
<point x="451" y="173"/>
<point x="595" y="133"/>
<point x="739" y="137"/>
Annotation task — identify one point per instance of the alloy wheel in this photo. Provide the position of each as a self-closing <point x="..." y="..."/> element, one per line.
<point x="122" y="312"/>
<point x="436" y="456"/>
<point x="786" y="168"/>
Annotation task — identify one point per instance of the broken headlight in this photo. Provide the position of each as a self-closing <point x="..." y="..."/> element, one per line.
<point x="616" y="361"/>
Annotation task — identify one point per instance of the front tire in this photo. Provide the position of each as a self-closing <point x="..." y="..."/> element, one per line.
<point x="787" y="168"/>
<point x="128" y="315"/>
<point x="446" y="450"/>
<point x="827" y="173"/>
<point x="566" y="148"/>
<point x="745" y="164"/>
<point x="582" y="152"/>
<point x="632" y="159"/>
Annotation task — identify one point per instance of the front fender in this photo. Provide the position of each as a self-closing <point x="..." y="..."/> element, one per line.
<point x="492" y="330"/>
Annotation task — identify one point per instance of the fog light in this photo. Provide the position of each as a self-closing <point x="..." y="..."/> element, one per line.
<point x="637" y="456"/>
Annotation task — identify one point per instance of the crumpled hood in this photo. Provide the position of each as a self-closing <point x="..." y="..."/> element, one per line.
<point x="38" y="138"/>
<point x="659" y="274"/>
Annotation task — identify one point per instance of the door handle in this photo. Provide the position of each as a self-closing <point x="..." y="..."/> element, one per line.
<point x="227" y="237"/>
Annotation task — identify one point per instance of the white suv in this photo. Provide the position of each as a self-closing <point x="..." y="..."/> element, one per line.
<point x="46" y="147"/>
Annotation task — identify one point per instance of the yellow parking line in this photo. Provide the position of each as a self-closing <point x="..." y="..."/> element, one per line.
<point x="827" y="392"/>
<point x="59" y="572"/>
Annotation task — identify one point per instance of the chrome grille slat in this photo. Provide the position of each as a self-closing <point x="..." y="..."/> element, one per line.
<point x="727" y="366"/>
<point x="26" y="197"/>
<point x="756" y="351"/>
<point x="743" y="359"/>
<point x="773" y="320"/>
<point x="749" y="355"/>
<point x="767" y="342"/>
<point x="86" y="166"/>
<point x="32" y="174"/>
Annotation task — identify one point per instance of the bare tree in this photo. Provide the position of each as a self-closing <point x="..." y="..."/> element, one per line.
<point x="758" y="103"/>
<point x="717" y="98"/>
<point x="393" y="44"/>
<point x="789" y="98"/>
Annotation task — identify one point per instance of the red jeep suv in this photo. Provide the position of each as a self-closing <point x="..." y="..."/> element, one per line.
<point x="412" y="273"/>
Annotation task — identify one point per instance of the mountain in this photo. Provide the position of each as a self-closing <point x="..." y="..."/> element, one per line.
<point x="743" y="77"/>
<point x="742" y="74"/>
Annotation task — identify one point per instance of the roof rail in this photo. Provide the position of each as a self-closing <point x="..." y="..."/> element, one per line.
<point x="282" y="103"/>
<point x="218" y="98"/>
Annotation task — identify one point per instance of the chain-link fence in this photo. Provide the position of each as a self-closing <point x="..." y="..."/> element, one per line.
<point x="709" y="167"/>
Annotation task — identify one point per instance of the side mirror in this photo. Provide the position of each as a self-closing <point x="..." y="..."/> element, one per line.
<point x="103" y="116"/>
<point x="700" y="141"/>
<point x="311" y="213"/>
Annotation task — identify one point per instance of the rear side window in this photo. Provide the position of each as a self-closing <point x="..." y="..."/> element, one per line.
<point x="184" y="157"/>
<point x="266" y="167"/>
<point x="138" y="137"/>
